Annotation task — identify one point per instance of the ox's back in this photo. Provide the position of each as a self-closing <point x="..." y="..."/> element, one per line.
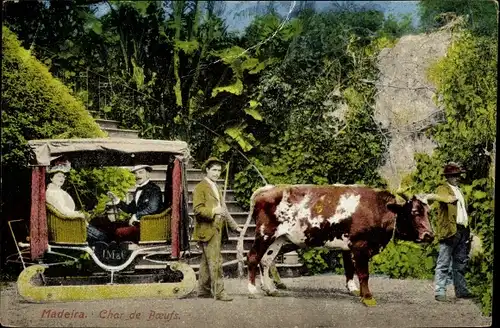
<point x="313" y="215"/>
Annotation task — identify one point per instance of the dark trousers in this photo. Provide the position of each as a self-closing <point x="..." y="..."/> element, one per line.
<point x="454" y="249"/>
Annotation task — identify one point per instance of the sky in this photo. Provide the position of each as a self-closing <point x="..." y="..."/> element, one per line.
<point x="239" y="22"/>
<point x="238" y="14"/>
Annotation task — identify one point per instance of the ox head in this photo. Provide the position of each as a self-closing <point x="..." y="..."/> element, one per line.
<point x="412" y="223"/>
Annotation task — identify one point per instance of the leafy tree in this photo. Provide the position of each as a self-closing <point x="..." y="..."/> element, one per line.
<point x="481" y="16"/>
<point x="35" y="105"/>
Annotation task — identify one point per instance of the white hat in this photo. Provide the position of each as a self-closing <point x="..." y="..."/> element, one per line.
<point x="63" y="167"/>
<point x="139" y="167"/>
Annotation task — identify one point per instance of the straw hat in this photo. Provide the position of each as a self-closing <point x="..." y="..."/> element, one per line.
<point x="63" y="167"/>
<point x="139" y="167"/>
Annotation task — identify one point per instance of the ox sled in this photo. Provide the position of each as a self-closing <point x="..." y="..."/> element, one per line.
<point x="358" y="220"/>
<point x="60" y="263"/>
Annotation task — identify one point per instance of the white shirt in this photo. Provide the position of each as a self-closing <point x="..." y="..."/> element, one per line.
<point x="214" y="188"/>
<point x="461" y="212"/>
<point x="61" y="200"/>
<point x="139" y="192"/>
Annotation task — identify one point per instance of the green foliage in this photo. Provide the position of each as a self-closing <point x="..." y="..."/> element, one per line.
<point x="481" y="16"/>
<point x="297" y="104"/>
<point x="466" y="81"/>
<point x="315" y="260"/>
<point x="91" y="185"/>
<point x="311" y="143"/>
<point x="235" y="88"/>
<point x="402" y="260"/>
<point x="466" y="84"/>
<point x="35" y="105"/>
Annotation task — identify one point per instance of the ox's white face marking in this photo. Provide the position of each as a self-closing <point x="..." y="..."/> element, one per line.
<point x="351" y="286"/>
<point x="346" y="207"/>
<point x="342" y="244"/>
<point x="262" y="228"/>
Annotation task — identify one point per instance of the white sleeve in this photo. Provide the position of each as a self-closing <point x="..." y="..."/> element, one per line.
<point x="55" y="199"/>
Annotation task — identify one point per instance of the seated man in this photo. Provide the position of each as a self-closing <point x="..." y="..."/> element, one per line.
<point x="64" y="203"/>
<point x="147" y="200"/>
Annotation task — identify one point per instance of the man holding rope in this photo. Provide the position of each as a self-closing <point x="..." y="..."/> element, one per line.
<point x="211" y="217"/>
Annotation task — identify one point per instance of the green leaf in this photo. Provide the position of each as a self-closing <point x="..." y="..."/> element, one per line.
<point x="249" y="63"/>
<point x="229" y="55"/>
<point x="235" y="88"/>
<point x="138" y="74"/>
<point x="187" y="46"/>
<point x="97" y="27"/>
<point x="239" y="135"/>
<point x="222" y="145"/>
<point x="254" y="113"/>
<point x="478" y="194"/>
<point x="429" y="263"/>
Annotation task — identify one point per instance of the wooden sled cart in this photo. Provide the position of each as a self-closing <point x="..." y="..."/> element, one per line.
<point x="150" y="268"/>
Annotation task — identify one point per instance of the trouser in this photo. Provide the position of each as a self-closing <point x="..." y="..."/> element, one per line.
<point x="210" y="276"/>
<point x="94" y="234"/>
<point x="130" y="233"/>
<point x="455" y="250"/>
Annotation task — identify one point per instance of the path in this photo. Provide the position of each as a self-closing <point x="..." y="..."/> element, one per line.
<point x="319" y="301"/>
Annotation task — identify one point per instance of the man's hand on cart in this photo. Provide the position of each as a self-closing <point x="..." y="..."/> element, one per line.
<point x="114" y="199"/>
<point x="133" y="220"/>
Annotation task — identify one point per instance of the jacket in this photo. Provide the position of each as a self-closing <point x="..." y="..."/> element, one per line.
<point x="149" y="202"/>
<point x="206" y="223"/>
<point x="446" y="218"/>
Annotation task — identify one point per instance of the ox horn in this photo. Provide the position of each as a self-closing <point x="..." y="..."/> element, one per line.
<point x="427" y="197"/>
<point x="402" y="194"/>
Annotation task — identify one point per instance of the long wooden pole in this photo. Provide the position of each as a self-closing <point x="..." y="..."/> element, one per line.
<point x="225" y="184"/>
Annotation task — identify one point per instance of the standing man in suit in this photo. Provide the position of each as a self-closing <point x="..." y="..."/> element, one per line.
<point x="147" y="200"/>
<point x="453" y="233"/>
<point x="211" y="217"/>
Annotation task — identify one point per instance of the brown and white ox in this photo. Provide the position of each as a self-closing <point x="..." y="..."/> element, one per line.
<point x="358" y="220"/>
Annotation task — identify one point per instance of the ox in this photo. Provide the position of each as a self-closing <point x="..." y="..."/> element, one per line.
<point x="358" y="220"/>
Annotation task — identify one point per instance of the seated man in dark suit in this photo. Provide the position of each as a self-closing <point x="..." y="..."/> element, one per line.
<point x="147" y="200"/>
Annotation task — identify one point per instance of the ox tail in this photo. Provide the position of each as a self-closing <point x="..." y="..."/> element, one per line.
<point x="239" y="246"/>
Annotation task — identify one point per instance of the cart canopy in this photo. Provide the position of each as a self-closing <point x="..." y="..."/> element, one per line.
<point x="107" y="151"/>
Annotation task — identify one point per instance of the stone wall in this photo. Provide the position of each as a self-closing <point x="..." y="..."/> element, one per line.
<point x="405" y="100"/>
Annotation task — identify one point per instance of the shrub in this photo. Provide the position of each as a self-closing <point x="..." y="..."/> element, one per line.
<point x="35" y="105"/>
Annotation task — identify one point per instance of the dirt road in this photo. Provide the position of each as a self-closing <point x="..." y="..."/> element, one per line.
<point x="319" y="301"/>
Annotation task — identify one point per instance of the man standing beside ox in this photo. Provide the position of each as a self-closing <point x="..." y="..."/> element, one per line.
<point x="211" y="217"/>
<point x="452" y="230"/>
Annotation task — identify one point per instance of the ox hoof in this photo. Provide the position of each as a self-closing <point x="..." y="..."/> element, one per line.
<point x="254" y="296"/>
<point x="354" y="292"/>
<point x="280" y="285"/>
<point x="272" y="293"/>
<point x="369" y="301"/>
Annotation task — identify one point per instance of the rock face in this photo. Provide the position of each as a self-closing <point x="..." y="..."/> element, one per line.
<point x="405" y="102"/>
